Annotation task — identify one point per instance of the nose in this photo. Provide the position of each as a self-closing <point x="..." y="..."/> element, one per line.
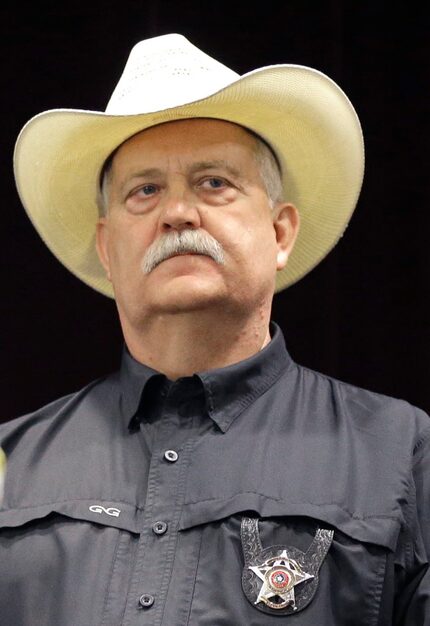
<point x="180" y="212"/>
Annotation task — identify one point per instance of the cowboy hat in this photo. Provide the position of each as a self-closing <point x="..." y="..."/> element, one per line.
<point x="301" y="113"/>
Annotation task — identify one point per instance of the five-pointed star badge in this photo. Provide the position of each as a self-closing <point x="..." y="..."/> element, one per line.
<point x="280" y="575"/>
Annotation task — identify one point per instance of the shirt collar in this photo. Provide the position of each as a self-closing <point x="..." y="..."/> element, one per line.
<point x="228" y="390"/>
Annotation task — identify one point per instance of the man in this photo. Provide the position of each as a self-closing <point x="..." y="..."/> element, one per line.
<point x="211" y="481"/>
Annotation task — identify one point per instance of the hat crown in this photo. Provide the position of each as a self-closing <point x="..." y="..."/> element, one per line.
<point x="164" y="72"/>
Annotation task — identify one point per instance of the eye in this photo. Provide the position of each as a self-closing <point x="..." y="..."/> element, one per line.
<point x="213" y="183"/>
<point x="147" y="190"/>
<point x="143" y="191"/>
<point x="142" y="198"/>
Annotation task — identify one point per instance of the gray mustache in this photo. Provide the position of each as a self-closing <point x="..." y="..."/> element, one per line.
<point x="186" y="241"/>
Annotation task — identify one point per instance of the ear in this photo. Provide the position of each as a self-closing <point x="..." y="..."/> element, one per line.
<point x="286" y="224"/>
<point x="102" y="240"/>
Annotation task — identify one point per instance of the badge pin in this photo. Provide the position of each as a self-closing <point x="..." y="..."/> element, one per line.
<point x="281" y="579"/>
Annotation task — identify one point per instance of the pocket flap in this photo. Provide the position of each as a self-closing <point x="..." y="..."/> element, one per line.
<point x="107" y="513"/>
<point x="380" y="530"/>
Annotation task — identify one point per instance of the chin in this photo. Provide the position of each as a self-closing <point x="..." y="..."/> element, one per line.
<point x="188" y="292"/>
<point x="187" y="303"/>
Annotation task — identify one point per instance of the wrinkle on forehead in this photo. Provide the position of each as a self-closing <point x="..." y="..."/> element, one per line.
<point x="161" y="149"/>
<point x="252" y="137"/>
<point x="214" y="131"/>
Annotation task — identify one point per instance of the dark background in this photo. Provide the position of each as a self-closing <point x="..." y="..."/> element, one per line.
<point x="363" y="314"/>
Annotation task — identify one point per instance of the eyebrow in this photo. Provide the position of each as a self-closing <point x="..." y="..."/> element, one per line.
<point x="150" y="172"/>
<point x="216" y="164"/>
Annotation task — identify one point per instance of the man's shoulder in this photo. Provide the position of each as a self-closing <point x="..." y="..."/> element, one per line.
<point x="59" y="410"/>
<point x="51" y="451"/>
<point x="363" y="407"/>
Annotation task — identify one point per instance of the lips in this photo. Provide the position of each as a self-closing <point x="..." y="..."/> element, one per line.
<point x="172" y="256"/>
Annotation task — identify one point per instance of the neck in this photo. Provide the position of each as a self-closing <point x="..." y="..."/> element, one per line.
<point x="182" y="344"/>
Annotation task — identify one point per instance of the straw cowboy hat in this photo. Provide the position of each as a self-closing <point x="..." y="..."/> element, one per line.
<point x="304" y="116"/>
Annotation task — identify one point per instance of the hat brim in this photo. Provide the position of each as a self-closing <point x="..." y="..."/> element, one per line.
<point x="300" y="112"/>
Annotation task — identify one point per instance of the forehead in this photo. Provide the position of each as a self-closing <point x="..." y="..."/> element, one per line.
<point x="188" y="138"/>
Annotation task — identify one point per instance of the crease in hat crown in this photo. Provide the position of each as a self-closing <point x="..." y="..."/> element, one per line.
<point x="183" y="74"/>
<point x="302" y="113"/>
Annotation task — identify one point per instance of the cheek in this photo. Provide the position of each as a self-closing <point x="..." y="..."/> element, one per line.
<point x="255" y="240"/>
<point x="126" y="249"/>
<point x="253" y="262"/>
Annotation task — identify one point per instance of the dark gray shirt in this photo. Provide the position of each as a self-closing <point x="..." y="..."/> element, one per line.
<point x="258" y="494"/>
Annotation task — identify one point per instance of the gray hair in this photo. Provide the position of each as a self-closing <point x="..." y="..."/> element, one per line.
<point x="270" y="170"/>
<point x="268" y="165"/>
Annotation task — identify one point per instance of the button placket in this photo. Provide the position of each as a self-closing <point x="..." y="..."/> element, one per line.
<point x="164" y="501"/>
<point x="152" y="561"/>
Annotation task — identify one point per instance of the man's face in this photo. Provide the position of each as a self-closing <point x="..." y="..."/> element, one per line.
<point x="200" y="175"/>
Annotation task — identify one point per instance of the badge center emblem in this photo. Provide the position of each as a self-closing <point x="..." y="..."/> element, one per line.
<point x="278" y="580"/>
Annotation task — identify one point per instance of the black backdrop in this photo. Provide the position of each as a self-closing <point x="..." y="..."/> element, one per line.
<point x="363" y="314"/>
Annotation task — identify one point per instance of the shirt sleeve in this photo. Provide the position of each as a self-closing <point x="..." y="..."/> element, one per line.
<point x="412" y="605"/>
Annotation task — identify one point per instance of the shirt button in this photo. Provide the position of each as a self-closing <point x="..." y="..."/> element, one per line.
<point x="146" y="600"/>
<point x="171" y="456"/>
<point x="159" y="528"/>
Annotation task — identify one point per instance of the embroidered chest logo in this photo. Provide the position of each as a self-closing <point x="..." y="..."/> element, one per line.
<point x="281" y="579"/>
<point x="98" y="508"/>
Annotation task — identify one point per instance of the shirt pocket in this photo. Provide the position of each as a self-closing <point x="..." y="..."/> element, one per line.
<point x="350" y="576"/>
<point x="66" y="562"/>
